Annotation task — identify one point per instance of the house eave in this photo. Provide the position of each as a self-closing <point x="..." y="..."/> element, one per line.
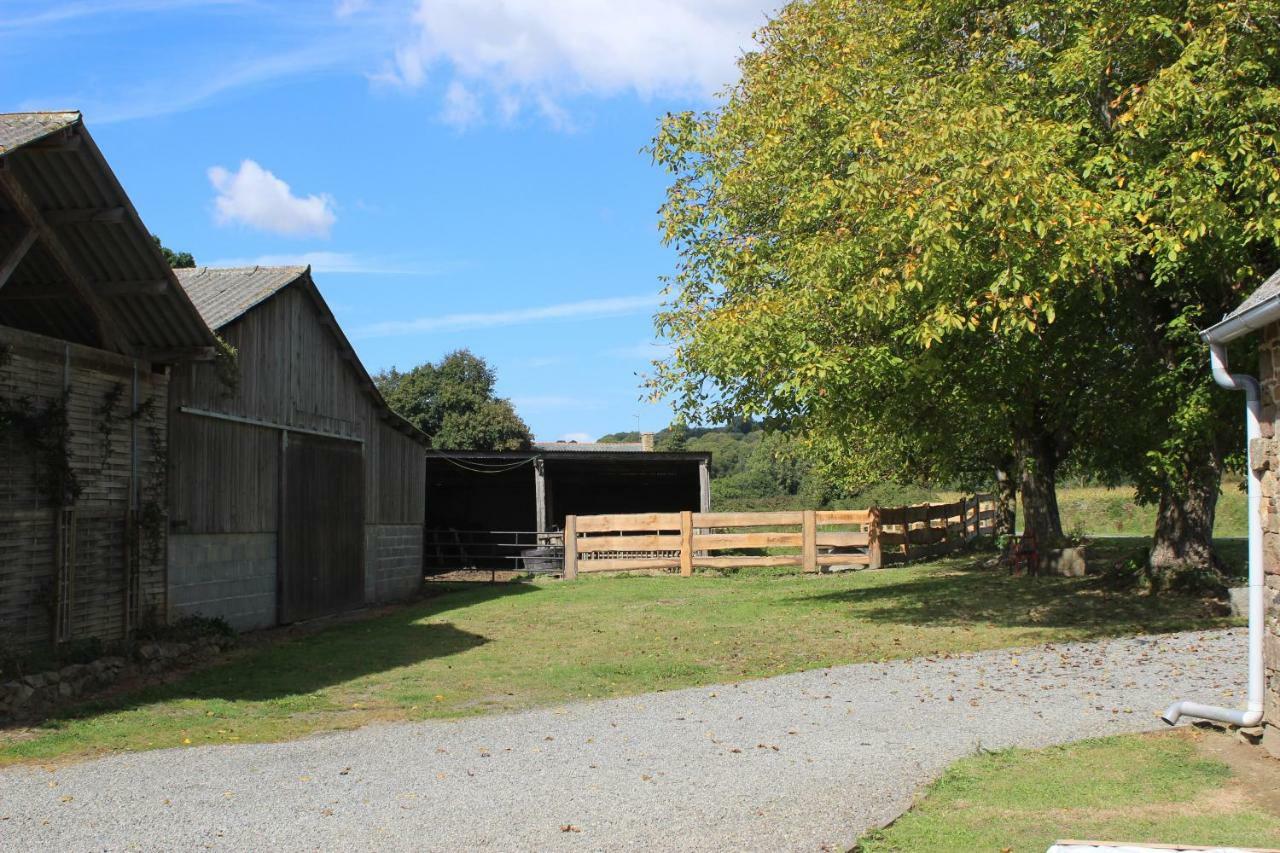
<point x="1239" y="325"/>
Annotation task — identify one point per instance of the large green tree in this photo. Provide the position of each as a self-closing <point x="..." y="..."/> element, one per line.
<point x="453" y="402"/>
<point x="943" y="207"/>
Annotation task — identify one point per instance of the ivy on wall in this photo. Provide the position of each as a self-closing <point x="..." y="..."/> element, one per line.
<point x="44" y="428"/>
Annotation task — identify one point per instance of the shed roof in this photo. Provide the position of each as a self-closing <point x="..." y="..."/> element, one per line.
<point x="76" y="262"/>
<point x="571" y="453"/>
<point x="224" y="294"/>
<point x="590" y="447"/>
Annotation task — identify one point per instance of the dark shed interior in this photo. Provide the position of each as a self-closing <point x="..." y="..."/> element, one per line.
<point x="484" y="509"/>
<point x="589" y="486"/>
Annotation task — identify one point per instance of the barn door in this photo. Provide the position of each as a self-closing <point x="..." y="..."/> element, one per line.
<point x="322" y="529"/>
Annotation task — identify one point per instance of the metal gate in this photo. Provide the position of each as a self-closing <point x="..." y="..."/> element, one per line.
<point x="322" y="530"/>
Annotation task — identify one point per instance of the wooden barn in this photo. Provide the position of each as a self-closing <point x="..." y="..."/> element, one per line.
<point x="90" y="316"/>
<point x="486" y="509"/>
<point x="296" y="492"/>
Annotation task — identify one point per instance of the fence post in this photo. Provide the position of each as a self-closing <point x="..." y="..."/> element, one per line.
<point x="874" y="556"/>
<point x="686" y="544"/>
<point x="809" y="541"/>
<point x="906" y="535"/>
<point x="570" y="547"/>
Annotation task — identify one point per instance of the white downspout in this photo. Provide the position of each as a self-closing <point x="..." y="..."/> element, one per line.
<point x="1252" y="716"/>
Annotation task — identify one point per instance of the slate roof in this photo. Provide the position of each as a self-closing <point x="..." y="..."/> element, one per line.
<point x="224" y="294"/>
<point x="18" y="129"/>
<point x="1266" y="291"/>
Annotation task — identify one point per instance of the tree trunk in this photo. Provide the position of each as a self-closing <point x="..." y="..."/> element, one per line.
<point x="1182" y="554"/>
<point x="1006" y="520"/>
<point x="1039" y="465"/>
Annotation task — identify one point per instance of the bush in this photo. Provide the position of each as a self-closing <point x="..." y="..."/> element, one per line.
<point x="186" y="629"/>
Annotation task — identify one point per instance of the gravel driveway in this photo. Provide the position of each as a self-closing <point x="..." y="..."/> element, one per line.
<point x="797" y="762"/>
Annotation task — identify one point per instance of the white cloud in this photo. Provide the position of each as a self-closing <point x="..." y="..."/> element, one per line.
<point x="586" y="309"/>
<point x="535" y="51"/>
<point x="580" y="437"/>
<point x="43" y="14"/>
<point x="327" y="262"/>
<point x="255" y="197"/>
<point x="461" y="107"/>
<point x="347" y="8"/>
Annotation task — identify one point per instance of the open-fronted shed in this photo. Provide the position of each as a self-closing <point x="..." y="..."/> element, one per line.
<point x="297" y="491"/>
<point x="90" y="317"/>
<point x="488" y="509"/>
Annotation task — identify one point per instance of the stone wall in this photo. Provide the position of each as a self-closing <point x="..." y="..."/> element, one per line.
<point x="393" y="562"/>
<point x="1266" y="459"/>
<point x="34" y="696"/>
<point x="231" y="576"/>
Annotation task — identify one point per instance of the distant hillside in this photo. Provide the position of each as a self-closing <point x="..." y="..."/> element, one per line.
<point x="755" y="469"/>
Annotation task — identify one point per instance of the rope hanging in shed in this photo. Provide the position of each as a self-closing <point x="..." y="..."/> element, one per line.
<point x="497" y="468"/>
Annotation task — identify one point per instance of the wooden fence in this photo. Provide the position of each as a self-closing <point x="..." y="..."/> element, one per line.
<point x="859" y="538"/>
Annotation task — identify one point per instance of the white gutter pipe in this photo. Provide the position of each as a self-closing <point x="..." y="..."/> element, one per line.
<point x="1252" y="715"/>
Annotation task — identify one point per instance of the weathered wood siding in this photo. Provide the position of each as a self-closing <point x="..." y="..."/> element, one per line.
<point x="226" y="474"/>
<point x="101" y="446"/>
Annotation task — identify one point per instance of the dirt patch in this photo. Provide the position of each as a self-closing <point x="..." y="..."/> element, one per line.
<point x="1258" y="773"/>
<point x="476" y="576"/>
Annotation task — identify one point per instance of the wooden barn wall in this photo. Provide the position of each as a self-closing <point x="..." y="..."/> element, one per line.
<point x="101" y="446"/>
<point x="292" y="374"/>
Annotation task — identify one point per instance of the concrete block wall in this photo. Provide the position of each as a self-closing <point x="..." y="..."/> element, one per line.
<point x="393" y="562"/>
<point x="227" y="575"/>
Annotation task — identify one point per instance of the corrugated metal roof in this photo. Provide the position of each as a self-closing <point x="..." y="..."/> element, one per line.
<point x="589" y="447"/>
<point x="116" y="252"/>
<point x="18" y="129"/>
<point x="224" y="294"/>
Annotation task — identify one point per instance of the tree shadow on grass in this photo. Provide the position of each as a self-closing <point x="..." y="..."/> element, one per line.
<point x="320" y="658"/>
<point x="969" y="595"/>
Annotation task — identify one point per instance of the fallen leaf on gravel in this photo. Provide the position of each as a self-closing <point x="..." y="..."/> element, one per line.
<point x="568" y="827"/>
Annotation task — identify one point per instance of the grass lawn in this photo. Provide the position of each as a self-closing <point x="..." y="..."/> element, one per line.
<point x="481" y="648"/>
<point x="1189" y="787"/>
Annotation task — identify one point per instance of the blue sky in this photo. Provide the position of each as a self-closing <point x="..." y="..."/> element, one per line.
<point x="460" y="173"/>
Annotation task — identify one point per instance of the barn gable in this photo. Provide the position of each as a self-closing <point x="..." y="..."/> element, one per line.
<point x="89" y="314"/>
<point x="76" y="262"/>
<point x="297" y="390"/>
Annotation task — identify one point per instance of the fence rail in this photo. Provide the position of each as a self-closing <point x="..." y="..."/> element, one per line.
<point x="493" y="550"/>
<point x="864" y="538"/>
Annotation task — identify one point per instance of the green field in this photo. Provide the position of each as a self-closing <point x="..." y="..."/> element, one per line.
<point x="1098" y="511"/>
<point x="1171" y="788"/>
<point x="479" y="648"/>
